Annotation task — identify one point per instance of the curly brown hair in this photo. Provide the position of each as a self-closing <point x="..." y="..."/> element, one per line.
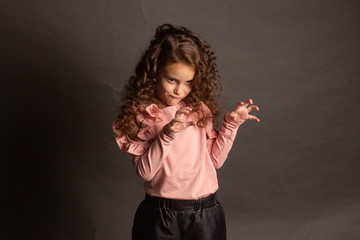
<point x="172" y="45"/>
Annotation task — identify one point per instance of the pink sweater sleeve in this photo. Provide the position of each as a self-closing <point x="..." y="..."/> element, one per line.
<point x="149" y="163"/>
<point x="220" y="146"/>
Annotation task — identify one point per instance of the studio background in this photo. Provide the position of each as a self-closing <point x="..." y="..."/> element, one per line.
<point x="293" y="176"/>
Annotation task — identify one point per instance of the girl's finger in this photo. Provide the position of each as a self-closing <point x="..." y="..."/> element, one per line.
<point x="245" y="104"/>
<point x="249" y="101"/>
<point x="238" y="106"/>
<point x="252" y="117"/>
<point x="180" y="115"/>
<point x="178" y="126"/>
<point x="180" y="121"/>
<point x="177" y="120"/>
<point x="184" y="110"/>
<point x="188" y="124"/>
<point x="253" y="107"/>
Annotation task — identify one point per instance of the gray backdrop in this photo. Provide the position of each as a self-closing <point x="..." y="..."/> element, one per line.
<point x="293" y="176"/>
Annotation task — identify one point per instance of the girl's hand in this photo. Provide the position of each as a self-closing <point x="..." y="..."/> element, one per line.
<point x="178" y="124"/>
<point x="242" y="110"/>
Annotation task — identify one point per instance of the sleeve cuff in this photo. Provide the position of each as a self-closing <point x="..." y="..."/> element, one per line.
<point x="166" y="134"/>
<point x="232" y="123"/>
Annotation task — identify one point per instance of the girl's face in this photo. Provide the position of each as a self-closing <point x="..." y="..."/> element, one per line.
<point x="174" y="83"/>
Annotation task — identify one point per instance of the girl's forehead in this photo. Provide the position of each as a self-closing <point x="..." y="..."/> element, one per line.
<point x="178" y="69"/>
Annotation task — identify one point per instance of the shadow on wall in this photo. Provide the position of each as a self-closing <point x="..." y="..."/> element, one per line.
<point x="50" y="109"/>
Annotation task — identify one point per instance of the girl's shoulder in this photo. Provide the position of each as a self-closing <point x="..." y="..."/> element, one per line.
<point x="138" y="137"/>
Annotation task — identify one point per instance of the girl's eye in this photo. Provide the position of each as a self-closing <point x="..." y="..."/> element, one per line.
<point x="189" y="82"/>
<point x="171" y="80"/>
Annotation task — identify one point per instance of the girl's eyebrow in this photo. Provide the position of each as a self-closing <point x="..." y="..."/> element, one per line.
<point x="168" y="76"/>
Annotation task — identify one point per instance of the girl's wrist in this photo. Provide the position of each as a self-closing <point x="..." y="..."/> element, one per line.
<point x="167" y="131"/>
<point x="232" y="121"/>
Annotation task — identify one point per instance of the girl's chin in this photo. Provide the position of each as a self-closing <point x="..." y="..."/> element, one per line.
<point x="168" y="103"/>
<point x="173" y="102"/>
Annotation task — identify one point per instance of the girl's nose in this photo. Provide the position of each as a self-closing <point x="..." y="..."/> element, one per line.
<point x="177" y="90"/>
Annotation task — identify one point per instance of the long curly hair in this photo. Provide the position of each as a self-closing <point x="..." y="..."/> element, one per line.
<point x="173" y="45"/>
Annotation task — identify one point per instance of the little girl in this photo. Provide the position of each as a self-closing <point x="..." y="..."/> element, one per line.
<point x="168" y="124"/>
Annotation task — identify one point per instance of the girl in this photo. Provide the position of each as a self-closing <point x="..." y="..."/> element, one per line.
<point x="168" y="124"/>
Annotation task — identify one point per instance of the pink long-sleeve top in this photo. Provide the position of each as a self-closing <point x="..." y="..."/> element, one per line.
<point x="181" y="165"/>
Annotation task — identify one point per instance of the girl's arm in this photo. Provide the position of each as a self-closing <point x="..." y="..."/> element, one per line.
<point x="220" y="146"/>
<point x="150" y="162"/>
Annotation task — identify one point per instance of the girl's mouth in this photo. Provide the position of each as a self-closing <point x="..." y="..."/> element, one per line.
<point x="177" y="98"/>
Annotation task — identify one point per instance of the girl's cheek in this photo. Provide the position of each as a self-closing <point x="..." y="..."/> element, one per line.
<point x="188" y="90"/>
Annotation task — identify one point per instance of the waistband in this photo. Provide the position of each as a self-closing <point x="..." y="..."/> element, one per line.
<point x="182" y="205"/>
